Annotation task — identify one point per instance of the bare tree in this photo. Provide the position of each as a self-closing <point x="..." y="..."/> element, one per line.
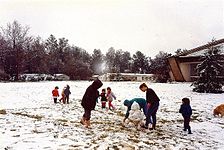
<point x="18" y="41"/>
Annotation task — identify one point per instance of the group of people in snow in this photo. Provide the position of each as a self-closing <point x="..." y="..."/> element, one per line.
<point x="149" y="106"/>
<point x="64" y="94"/>
<point x="107" y="97"/>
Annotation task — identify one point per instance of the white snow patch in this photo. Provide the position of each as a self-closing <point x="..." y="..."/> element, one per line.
<point x="32" y="121"/>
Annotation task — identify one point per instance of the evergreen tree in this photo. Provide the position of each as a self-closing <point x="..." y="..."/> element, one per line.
<point x="110" y="60"/>
<point x="77" y="64"/>
<point x="208" y="72"/>
<point x="51" y="47"/>
<point x="36" y="60"/>
<point x="140" y="63"/>
<point x="97" y="61"/>
<point x="126" y="60"/>
<point x="159" y="66"/>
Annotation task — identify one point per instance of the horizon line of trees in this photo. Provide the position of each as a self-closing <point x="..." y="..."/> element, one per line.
<point x="21" y="53"/>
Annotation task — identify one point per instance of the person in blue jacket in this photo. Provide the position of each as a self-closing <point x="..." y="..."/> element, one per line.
<point x="186" y="111"/>
<point x="142" y="103"/>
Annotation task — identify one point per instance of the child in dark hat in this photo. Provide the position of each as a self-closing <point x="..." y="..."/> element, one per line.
<point x="186" y="111"/>
<point x="67" y="92"/>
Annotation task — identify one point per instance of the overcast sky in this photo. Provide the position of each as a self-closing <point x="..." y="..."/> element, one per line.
<point x="146" y="25"/>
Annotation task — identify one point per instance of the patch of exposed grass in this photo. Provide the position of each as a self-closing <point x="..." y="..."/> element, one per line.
<point x="36" y="131"/>
<point x="62" y="120"/>
<point x="30" y="116"/>
<point x="135" y="140"/>
<point x="3" y="112"/>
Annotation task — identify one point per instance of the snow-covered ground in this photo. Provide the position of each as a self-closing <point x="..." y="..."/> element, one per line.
<point x="32" y="121"/>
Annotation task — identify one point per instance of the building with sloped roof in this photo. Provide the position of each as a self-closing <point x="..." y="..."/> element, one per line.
<point x="126" y="77"/>
<point x="183" y="66"/>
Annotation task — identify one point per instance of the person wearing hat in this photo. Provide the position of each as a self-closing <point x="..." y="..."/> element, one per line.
<point x="89" y="101"/>
<point x="142" y="103"/>
<point x="67" y="92"/>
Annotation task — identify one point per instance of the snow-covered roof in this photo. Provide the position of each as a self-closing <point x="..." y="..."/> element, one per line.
<point x="133" y="74"/>
<point x="201" y="50"/>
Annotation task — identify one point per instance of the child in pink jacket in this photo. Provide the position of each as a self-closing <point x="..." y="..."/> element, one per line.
<point x="110" y="97"/>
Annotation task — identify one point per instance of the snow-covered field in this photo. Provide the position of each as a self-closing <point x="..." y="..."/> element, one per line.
<point x="32" y="121"/>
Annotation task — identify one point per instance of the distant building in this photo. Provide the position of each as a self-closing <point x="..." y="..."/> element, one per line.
<point x="43" y="77"/>
<point x="183" y="66"/>
<point x="61" y="77"/>
<point x="126" y="77"/>
<point x="94" y="77"/>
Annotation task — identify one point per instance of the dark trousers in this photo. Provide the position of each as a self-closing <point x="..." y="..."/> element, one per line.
<point x="103" y="104"/>
<point x="145" y="109"/>
<point x="87" y="114"/>
<point x="67" y="99"/>
<point x="55" y="100"/>
<point x="187" y="124"/>
<point x="152" y="114"/>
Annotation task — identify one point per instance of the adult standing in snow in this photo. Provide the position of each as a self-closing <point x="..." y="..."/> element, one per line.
<point x="67" y="93"/>
<point x="89" y="101"/>
<point x="141" y="102"/>
<point x="153" y="102"/>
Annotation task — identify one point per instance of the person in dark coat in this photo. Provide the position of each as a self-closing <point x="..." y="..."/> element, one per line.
<point x="153" y="102"/>
<point x="89" y="101"/>
<point x="142" y="104"/>
<point x="103" y="98"/>
<point x="186" y="111"/>
<point x="67" y="92"/>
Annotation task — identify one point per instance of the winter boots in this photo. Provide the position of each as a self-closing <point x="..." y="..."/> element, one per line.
<point x="189" y="130"/>
<point x="87" y="125"/>
<point x="85" y="122"/>
<point x="153" y="127"/>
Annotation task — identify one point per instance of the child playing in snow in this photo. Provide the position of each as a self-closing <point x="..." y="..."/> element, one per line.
<point x="67" y="93"/>
<point x="103" y="98"/>
<point x="142" y="105"/>
<point x="135" y="115"/>
<point x="186" y="111"/>
<point x="89" y="101"/>
<point x="55" y="94"/>
<point x="62" y="96"/>
<point x="110" y="97"/>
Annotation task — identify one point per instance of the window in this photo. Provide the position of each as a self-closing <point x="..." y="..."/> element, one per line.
<point x="193" y="71"/>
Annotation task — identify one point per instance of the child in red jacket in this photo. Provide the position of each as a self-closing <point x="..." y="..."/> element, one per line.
<point x="55" y="94"/>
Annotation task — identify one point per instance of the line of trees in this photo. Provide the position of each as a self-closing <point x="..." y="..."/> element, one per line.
<point x="21" y="53"/>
